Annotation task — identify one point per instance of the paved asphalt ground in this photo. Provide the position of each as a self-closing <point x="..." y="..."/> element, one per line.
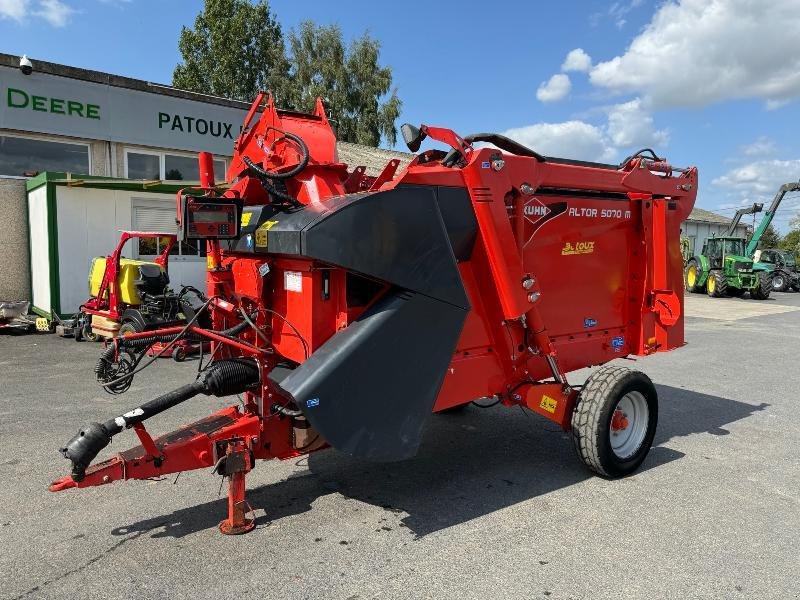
<point x="494" y="506"/>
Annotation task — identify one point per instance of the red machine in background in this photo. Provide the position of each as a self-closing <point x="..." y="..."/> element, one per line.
<point x="130" y="296"/>
<point x="347" y="309"/>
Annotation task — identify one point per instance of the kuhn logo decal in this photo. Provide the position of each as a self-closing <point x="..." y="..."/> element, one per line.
<point x="537" y="214"/>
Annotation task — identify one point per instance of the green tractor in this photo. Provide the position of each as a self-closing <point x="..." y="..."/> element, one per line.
<point x="723" y="269"/>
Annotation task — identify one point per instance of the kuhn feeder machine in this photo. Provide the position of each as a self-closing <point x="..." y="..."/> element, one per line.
<point x="346" y="309"/>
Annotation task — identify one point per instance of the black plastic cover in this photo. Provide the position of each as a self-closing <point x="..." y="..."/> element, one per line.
<point x="369" y="389"/>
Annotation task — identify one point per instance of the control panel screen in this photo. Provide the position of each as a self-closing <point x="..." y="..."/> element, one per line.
<point x="212" y="219"/>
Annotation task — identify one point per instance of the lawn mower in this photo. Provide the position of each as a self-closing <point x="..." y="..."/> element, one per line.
<point x="347" y="310"/>
<point x="131" y="296"/>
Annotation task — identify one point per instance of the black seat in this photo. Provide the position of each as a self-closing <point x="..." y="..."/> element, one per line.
<point x="152" y="280"/>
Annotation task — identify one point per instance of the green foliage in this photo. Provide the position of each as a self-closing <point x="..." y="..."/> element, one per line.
<point x="349" y="79"/>
<point x="791" y="241"/>
<point x="237" y="48"/>
<point x="234" y="50"/>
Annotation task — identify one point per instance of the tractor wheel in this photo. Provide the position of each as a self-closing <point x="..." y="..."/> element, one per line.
<point x="764" y="287"/>
<point x="179" y="354"/>
<point x="615" y="420"/>
<point x="692" y="277"/>
<point x="779" y="281"/>
<point x="716" y="286"/>
<point x="127" y="328"/>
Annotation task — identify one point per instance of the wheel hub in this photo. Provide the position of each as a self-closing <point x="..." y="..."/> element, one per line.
<point x="628" y="426"/>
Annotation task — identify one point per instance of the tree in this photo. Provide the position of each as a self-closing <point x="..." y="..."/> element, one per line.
<point x="235" y="49"/>
<point x="350" y="80"/>
<point x="770" y="238"/>
<point x="791" y="241"/>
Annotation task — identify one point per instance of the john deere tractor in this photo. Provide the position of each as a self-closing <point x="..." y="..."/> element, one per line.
<point x="723" y="269"/>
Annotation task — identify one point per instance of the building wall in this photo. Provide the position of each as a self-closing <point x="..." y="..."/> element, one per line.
<point x="14" y="259"/>
<point x="698" y="232"/>
<point x="89" y="225"/>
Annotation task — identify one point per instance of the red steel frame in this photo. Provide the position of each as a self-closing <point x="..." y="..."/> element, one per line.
<point x="107" y="302"/>
<point x="520" y="338"/>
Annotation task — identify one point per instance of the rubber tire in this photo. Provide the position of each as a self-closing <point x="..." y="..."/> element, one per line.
<point x="762" y="291"/>
<point x="591" y="419"/>
<point x="127" y="327"/>
<point x="695" y="289"/>
<point x="77" y="333"/>
<point x="784" y="279"/>
<point x="720" y="285"/>
<point x="178" y="354"/>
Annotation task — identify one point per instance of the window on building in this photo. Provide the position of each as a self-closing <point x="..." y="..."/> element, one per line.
<point x="142" y="166"/>
<point x="168" y="167"/>
<point x="27" y="156"/>
<point x="149" y="216"/>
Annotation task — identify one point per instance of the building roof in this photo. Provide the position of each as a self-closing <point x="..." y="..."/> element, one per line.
<point x="706" y="216"/>
<point x="42" y="66"/>
<point x="374" y="159"/>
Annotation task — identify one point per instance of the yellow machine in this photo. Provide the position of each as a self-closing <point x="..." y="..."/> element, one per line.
<point x="128" y="273"/>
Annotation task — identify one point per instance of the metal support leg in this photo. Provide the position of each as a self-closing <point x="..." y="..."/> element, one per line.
<point x="238" y="459"/>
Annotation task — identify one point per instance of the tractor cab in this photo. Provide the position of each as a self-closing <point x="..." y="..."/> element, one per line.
<point x="728" y="254"/>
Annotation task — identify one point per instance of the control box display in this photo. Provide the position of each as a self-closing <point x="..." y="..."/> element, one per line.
<point x="216" y="218"/>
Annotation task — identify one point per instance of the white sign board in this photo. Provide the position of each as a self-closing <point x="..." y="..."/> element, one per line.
<point x="56" y="105"/>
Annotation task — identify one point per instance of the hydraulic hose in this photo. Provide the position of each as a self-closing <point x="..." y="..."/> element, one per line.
<point x="108" y="369"/>
<point x="304" y="156"/>
<point x="222" y="378"/>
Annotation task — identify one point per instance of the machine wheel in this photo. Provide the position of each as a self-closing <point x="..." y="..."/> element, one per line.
<point x="179" y="354"/>
<point x="716" y="286"/>
<point x="615" y="420"/>
<point x="128" y="327"/>
<point x="779" y="281"/>
<point x="692" y="276"/>
<point x="761" y="291"/>
<point x="77" y="333"/>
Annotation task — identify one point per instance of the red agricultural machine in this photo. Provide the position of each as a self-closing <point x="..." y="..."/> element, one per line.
<point x="347" y="309"/>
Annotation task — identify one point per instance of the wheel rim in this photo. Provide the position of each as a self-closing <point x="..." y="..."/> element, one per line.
<point x="691" y="276"/>
<point x="629" y="424"/>
<point x="777" y="282"/>
<point x="712" y="284"/>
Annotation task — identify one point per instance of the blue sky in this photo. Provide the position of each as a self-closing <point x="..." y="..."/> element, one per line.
<point x="711" y="83"/>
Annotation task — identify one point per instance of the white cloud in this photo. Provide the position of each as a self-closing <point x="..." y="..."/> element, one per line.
<point x="570" y="139"/>
<point x="697" y="52"/>
<point x="759" y="182"/>
<point x="554" y="89"/>
<point x="763" y="146"/>
<point x="54" y="12"/>
<point x="617" y="13"/>
<point x="760" y="177"/>
<point x="631" y="124"/>
<point x="577" y="60"/>
<point x="14" y="9"/>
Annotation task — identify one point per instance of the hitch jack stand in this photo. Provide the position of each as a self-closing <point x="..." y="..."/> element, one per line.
<point x="237" y="463"/>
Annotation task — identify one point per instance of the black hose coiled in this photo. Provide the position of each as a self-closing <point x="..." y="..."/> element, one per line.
<point x="121" y="357"/>
<point x="305" y="155"/>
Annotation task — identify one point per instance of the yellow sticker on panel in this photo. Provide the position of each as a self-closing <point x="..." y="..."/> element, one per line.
<point x="261" y="233"/>
<point x="549" y="404"/>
